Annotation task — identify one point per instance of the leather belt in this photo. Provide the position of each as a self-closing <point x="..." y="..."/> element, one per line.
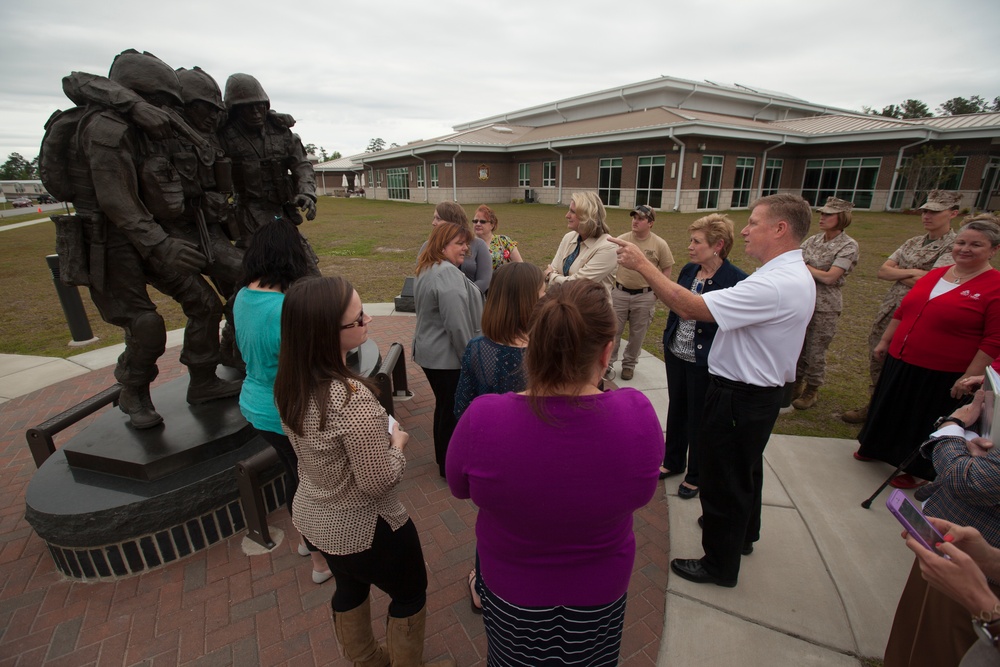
<point x="641" y="290"/>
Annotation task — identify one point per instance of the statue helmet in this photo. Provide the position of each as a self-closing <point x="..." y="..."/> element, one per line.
<point x="244" y="89"/>
<point x="197" y="84"/>
<point x="145" y="73"/>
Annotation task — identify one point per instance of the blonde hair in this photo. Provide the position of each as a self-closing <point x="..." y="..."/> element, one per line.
<point x="590" y="211"/>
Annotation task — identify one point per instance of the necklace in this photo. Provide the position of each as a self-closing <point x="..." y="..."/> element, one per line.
<point x="958" y="279"/>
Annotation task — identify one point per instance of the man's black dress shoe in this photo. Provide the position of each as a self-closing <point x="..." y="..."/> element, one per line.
<point x="692" y="570"/>
<point x="747" y="547"/>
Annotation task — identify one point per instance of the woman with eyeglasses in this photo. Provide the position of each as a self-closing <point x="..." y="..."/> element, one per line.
<point x="503" y="249"/>
<point x="686" y="344"/>
<point x="274" y="260"/>
<point x="449" y="313"/>
<point x="351" y="462"/>
<point x="477" y="266"/>
<point x="556" y="488"/>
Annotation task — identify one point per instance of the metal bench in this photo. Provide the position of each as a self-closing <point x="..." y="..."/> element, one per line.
<point x="251" y="473"/>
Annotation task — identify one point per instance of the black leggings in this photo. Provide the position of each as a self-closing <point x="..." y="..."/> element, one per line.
<point x="394" y="563"/>
<point x="444" y="384"/>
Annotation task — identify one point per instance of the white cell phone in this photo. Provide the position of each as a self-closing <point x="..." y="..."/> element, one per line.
<point x="392" y="422"/>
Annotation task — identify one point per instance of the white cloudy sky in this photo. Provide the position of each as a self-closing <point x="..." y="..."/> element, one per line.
<point x="407" y="70"/>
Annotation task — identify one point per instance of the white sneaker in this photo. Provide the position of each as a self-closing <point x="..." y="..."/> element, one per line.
<point x="303" y="551"/>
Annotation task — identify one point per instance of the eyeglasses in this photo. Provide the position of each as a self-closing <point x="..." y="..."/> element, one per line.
<point x="360" y="322"/>
<point x="480" y="222"/>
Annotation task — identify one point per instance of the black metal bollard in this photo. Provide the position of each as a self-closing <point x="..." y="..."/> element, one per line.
<point x="72" y="305"/>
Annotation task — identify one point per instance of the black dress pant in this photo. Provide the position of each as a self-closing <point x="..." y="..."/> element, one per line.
<point x="736" y="426"/>
<point x="444" y="384"/>
<point x="686" y="387"/>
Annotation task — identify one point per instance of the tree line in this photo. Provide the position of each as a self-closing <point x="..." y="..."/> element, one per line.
<point x="956" y="106"/>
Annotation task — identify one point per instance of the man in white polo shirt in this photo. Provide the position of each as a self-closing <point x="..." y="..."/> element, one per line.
<point x="762" y="322"/>
<point x="632" y="296"/>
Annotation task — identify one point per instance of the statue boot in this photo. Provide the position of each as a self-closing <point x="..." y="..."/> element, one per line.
<point x="134" y="401"/>
<point x="206" y="386"/>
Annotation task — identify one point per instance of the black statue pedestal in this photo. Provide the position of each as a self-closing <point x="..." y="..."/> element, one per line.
<point x="116" y="501"/>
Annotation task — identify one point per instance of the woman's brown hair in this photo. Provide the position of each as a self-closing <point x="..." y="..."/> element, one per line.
<point x="449" y="211"/>
<point x="443" y="234"/>
<point x="570" y="328"/>
<point x="310" y="358"/>
<point x="510" y="301"/>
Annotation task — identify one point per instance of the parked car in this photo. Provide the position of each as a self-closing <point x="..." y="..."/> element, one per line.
<point x="22" y="202"/>
<point x="46" y="199"/>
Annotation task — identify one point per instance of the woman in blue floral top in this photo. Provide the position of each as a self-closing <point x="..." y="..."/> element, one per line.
<point x="503" y="249"/>
<point x="493" y="362"/>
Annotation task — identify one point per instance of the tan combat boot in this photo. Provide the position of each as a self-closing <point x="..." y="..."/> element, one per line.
<point x="404" y="637"/>
<point x="856" y="416"/>
<point x="798" y="388"/>
<point x="354" y="632"/>
<point x="808" y="398"/>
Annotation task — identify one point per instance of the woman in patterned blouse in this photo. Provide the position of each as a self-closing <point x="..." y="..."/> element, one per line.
<point x="350" y="463"/>
<point x="503" y="249"/>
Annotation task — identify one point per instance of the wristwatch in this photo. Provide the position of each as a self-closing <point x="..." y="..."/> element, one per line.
<point x="948" y="418"/>
<point x="988" y="630"/>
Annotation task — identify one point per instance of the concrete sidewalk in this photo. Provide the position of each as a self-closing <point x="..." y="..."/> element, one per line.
<point x="820" y="588"/>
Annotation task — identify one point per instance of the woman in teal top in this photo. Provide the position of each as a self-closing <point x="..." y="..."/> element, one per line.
<point x="274" y="260"/>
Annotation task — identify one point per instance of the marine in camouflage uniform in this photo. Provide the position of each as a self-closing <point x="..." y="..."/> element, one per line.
<point x="904" y="267"/>
<point x="272" y="177"/>
<point x="115" y="245"/>
<point x="830" y="256"/>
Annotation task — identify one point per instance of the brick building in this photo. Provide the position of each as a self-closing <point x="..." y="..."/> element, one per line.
<point x="683" y="145"/>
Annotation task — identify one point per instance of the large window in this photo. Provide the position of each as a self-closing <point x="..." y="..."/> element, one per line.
<point x="371" y="178"/>
<point x="399" y="183"/>
<point x="420" y="175"/>
<point x="548" y="174"/>
<point x="434" y="175"/>
<point x="711" y="181"/>
<point x="609" y="181"/>
<point x="743" y="183"/>
<point x="524" y="174"/>
<point x="649" y="181"/>
<point x="852" y="179"/>
<point x="772" y="177"/>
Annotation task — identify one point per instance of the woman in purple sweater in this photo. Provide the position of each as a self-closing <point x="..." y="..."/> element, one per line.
<point x="556" y="488"/>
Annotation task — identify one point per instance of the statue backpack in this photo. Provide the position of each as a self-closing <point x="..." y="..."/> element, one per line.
<point x="55" y="159"/>
<point x="61" y="135"/>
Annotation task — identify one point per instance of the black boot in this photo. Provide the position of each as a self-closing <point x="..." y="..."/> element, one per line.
<point x="134" y="401"/>
<point x="206" y="386"/>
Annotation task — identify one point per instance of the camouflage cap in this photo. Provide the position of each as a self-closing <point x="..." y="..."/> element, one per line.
<point x="644" y="211"/>
<point x="834" y="205"/>
<point x="942" y="200"/>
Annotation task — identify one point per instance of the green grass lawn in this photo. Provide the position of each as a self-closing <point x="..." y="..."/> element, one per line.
<point x="375" y="245"/>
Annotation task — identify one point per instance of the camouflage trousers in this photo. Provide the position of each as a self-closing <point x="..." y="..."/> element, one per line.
<point x="812" y="360"/>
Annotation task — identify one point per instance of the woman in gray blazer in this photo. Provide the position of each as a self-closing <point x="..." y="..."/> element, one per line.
<point x="449" y="309"/>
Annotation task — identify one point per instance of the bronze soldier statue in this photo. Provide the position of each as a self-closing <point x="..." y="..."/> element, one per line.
<point x="272" y="178"/>
<point x="129" y="187"/>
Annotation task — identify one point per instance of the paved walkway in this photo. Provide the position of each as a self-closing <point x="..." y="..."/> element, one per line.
<point x="820" y="588"/>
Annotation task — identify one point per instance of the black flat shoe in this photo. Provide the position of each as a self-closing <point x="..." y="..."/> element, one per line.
<point x="747" y="547"/>
<point x="686" y="492"/>
<point x="692" y="570"/>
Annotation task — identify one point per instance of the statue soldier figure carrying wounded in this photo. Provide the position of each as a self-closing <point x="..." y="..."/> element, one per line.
<point x="135" y="225"/>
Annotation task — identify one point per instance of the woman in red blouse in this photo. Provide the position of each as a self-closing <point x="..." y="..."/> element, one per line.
<point x="946" y="329"/>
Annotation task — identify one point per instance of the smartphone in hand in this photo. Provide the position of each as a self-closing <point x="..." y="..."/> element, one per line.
<point x="914" y="521"/>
